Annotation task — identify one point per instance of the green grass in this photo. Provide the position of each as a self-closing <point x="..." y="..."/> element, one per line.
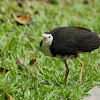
<point x="22" y="41"/>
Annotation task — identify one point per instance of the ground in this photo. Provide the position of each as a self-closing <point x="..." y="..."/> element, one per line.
<point x="94" y="94"/>
<point x="27" y="73"/>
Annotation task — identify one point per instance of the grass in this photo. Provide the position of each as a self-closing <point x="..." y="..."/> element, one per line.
<point x="22" y="41"/>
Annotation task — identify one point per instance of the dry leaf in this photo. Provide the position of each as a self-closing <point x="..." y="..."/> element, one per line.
<point x="2" y="69"/>
<point x="20" y="3"/>
<point x="19" y="62"/>
<point x="2" y="21"/>
<point x="52" y="1"/>
<point x="36" y="12"/>
<point x="32" y="61"/>
<point x="8" y="96"/>
<point x="86" y="2"/>
<point x="22" y="19"/>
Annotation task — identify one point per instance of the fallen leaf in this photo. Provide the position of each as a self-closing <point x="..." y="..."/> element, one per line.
<point x="8" y="96"/>
<point x="52" y="1"/>
<point x="86" y="2"/>
<point x="36" y="12"/>
<point x="6" y="70"/>
<point x="2" y="69"/>
<point x="22" y="19"/>
<point x="20" y="3"/>
<point x="32" y="61"/>
<point x="19" y="62"/>
<point x="2" y="21"/>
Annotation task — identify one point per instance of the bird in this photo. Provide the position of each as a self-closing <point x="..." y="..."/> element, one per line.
<point x="68" y="42"/>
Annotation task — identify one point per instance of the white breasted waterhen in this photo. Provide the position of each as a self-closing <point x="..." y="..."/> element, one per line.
<point x="68" y="42"/>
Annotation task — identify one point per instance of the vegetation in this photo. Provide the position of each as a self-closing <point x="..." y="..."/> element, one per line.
<point x="25" y="72"/>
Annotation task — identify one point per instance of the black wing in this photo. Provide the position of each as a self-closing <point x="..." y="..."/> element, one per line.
<point x="88" y="42"/>
<point x="70" y="40"/>
<point x="63" y="49"/>
<point x="86" y="39"/>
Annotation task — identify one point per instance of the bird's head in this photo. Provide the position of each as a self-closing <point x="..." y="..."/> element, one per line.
<point x="47" y="39"/>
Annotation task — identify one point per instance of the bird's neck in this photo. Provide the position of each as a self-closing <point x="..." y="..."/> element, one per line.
<point x="46" y="49"/>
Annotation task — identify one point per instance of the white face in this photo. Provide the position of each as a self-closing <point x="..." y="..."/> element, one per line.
<point x="47" y="39"/>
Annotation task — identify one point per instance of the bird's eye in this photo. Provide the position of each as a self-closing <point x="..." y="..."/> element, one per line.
<point x="49" y="36"/>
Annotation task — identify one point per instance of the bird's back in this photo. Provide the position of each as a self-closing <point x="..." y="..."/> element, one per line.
<point x="70" y="40"/>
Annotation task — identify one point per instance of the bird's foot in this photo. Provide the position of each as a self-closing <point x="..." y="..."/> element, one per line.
<point x="64" y="82"/>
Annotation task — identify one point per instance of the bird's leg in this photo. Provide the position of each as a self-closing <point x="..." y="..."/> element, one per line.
<point x="67" y="71"/>
<point x="82" y="67"/>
